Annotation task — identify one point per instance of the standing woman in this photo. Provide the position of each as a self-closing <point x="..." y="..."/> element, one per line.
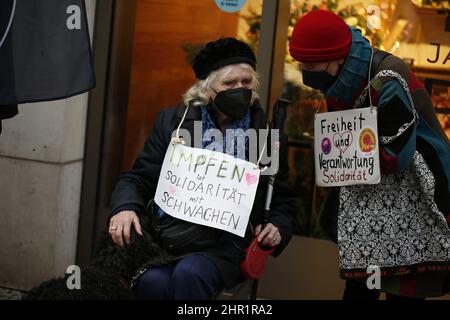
<point x="400" y="225"/>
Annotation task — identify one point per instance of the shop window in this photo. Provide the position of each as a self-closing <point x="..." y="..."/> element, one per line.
<point x="167" y="35"/>
<point x="416" y="31"/>
<point x="439" y="91"/>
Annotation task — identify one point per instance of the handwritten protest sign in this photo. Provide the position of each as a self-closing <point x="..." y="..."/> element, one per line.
<point x="207" y="187"/>
<point x="346" y="148"/>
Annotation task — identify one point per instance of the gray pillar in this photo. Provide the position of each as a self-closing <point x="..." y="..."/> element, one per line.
<point x="41" y="161"/>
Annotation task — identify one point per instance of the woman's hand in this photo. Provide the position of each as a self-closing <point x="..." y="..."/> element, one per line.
<point x="120" y="227"/>
<point x="270" y="235"/>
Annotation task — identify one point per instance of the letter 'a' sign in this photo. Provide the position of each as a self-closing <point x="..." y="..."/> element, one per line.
<point x="346" y="150"/>
<point x="207" y="187"/>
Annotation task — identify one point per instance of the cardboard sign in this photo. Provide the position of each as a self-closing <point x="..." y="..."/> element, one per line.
<point x="346" y="150"/>
<point x="207" y="187"/>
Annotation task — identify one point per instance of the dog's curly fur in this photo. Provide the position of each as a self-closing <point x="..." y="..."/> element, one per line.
<point x="111" y="270"/>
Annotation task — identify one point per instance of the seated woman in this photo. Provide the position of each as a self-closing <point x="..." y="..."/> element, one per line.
<point x="223" y="97"/>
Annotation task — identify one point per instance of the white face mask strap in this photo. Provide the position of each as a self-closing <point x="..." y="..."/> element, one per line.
<point x="177" y="139"/>
<point x="262" y="151"/>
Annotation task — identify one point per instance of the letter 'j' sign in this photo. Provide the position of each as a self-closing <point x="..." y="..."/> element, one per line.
<point x="207" y="187"/>
<point x="346" y="148"/>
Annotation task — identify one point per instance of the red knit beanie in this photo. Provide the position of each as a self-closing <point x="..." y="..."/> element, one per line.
<point x="320" y="36"/>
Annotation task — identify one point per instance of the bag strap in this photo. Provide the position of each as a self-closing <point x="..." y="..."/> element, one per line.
<point x="378" y="57"/>
<point x="376" y="83"/>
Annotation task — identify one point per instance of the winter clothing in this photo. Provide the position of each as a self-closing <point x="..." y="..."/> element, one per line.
<point x="401" y="224"/>
<point x="208" y="123"/>
<point x="137" y="186"/>
<point x="320" y="36"/>
<point x="220" y="53"/>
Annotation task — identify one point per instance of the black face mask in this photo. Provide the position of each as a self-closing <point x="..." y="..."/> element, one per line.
<point x="234" y="102"/>
<point x="321" y="80"/>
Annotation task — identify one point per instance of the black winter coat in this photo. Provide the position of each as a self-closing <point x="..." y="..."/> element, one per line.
<point x="138" y="185"/>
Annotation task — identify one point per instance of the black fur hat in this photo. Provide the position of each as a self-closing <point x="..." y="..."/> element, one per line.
<point x="220" y="53"/>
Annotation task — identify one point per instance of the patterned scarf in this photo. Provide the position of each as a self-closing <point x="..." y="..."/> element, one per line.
<point x="236" y="129"/>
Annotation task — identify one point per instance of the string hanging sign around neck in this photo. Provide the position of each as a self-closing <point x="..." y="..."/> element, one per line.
<point x="207" y="187"/>
<point x="346" y="148"/>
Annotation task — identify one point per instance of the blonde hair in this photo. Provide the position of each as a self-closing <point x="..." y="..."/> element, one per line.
<point x="200" y="93"/>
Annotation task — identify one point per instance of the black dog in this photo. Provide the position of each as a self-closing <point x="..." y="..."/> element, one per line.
<point x="109" y="275"/>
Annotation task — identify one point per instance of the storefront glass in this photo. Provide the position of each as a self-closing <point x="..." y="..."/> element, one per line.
<point x="416" y="31"/>
<point x="167" y="35"/>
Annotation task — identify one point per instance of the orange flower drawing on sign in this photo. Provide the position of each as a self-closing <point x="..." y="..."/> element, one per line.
<point x="367" y="141"/>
